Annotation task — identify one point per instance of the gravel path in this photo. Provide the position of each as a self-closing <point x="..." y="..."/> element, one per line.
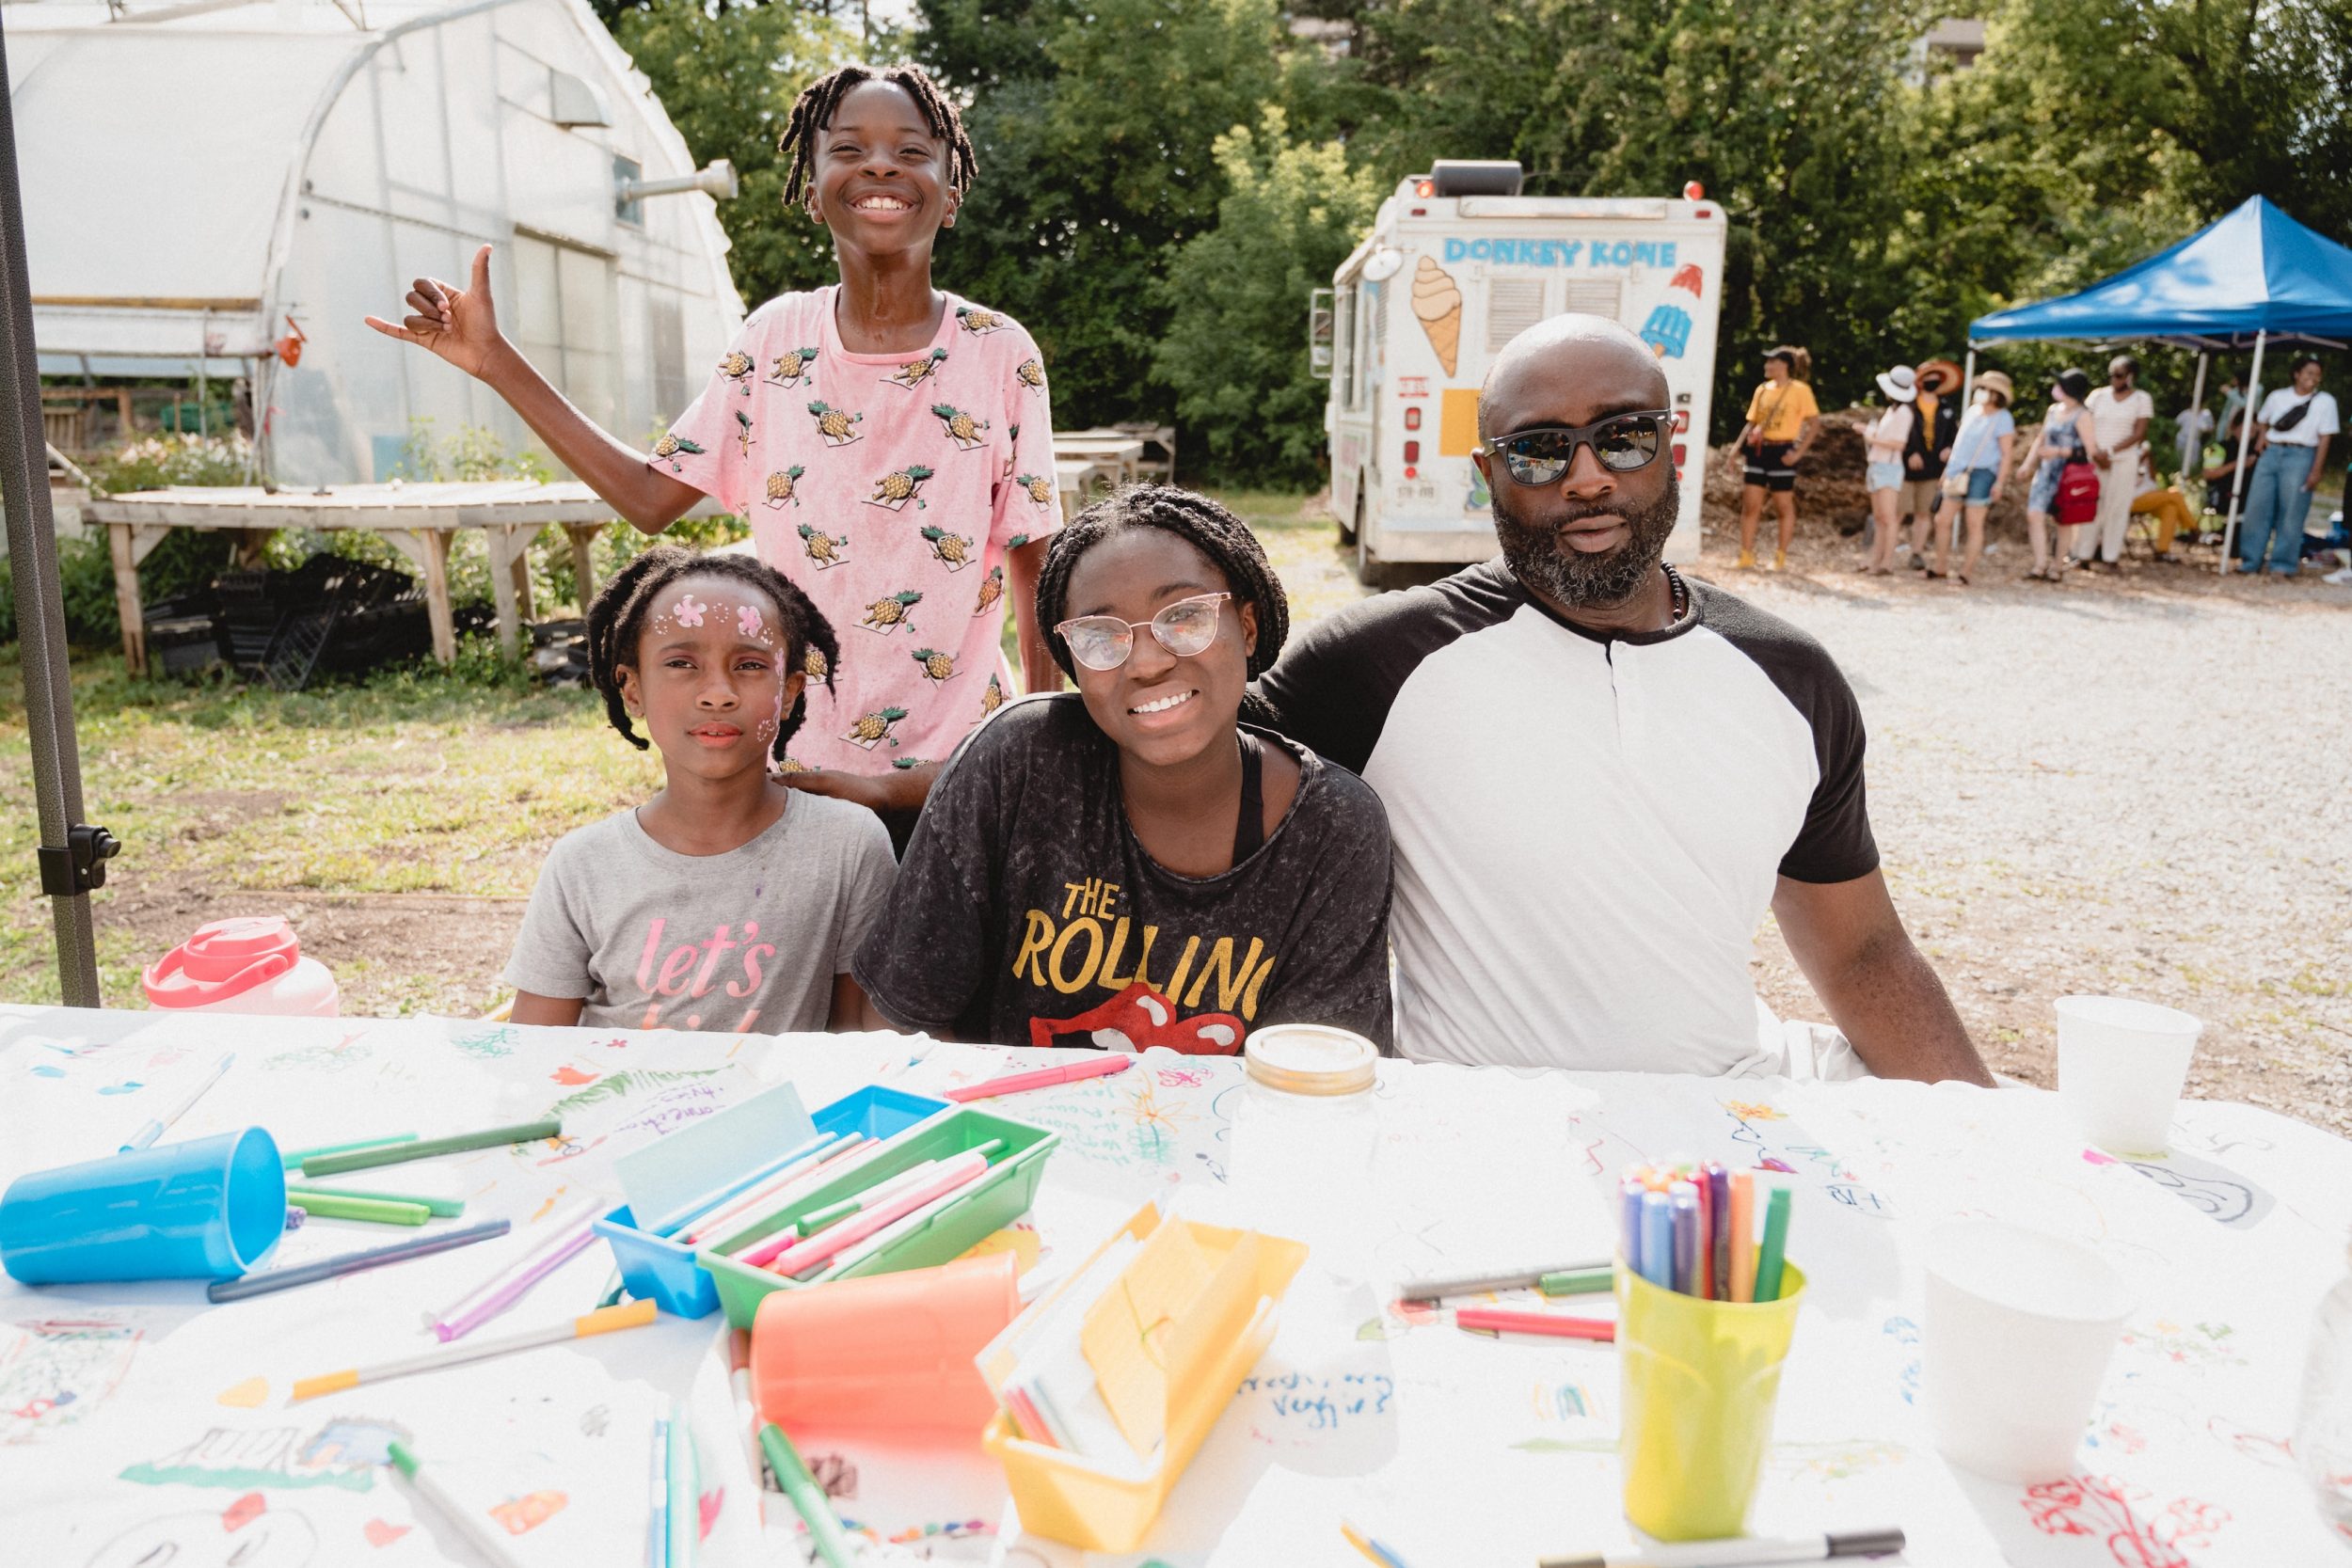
<point x="2136" y="784"/>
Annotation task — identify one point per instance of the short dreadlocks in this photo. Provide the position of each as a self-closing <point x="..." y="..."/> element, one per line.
<point x="1195" y="519"/>
<point x="617" y="618"/>
<point x="814" y="110"/>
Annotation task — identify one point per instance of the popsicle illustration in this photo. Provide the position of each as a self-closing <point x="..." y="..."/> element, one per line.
<point x="1439" y="305"/>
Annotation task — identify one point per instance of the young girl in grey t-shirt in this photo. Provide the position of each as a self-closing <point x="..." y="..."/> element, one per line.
<point x="727" y="901"/>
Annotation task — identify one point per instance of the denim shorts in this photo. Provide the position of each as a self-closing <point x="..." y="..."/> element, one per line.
<point x="1884" y="476"/>
<point x="1980" y="481"/>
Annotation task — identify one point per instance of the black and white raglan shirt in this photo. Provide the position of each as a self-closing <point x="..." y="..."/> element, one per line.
<point x="1587" y="828"/>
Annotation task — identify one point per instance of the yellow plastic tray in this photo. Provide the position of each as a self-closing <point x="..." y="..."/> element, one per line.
<point x="1215" y="1343"/>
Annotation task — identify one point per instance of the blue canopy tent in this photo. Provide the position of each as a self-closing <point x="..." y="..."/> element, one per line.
<point x="2253" y="279"/>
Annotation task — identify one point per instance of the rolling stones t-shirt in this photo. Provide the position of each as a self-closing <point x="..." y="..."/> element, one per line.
<point x="1026" y="913"/>
<point x="889" y="487"/>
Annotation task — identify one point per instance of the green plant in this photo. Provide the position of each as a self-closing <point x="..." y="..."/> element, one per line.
<point x="152" y="462"/>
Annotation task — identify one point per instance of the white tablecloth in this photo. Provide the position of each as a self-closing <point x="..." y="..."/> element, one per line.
<point x="135" y="1418"/>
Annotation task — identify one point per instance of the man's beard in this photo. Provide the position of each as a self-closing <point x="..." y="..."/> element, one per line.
<point x="1540" y="558"/>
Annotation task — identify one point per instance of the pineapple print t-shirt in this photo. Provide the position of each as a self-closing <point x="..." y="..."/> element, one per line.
<point x="889" y="487"/>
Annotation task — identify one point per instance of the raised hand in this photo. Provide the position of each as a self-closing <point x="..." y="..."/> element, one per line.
<point x="459" y="324"/>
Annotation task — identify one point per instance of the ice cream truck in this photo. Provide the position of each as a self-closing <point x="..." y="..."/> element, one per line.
<point x="1458" y="263"/>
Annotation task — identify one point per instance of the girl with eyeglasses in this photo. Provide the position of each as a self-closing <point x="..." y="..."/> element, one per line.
<point x="1129" y="866"/>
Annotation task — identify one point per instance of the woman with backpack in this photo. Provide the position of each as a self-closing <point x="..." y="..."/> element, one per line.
<point x="2065" y="488"/>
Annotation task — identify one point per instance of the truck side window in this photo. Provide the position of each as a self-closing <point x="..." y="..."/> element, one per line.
<point x="1343" y="344"/>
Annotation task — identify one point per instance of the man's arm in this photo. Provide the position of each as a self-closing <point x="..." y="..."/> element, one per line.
<point x="1878" y="986"/>
<point x="1039" y="673"/>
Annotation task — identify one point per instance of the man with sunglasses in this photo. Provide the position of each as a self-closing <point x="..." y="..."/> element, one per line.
<point x="1599" y="775"/>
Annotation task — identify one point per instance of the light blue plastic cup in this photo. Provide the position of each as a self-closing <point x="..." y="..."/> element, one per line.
<point x="208" y="1209"/>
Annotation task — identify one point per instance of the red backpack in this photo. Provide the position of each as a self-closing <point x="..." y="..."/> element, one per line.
<point x="2077" y="493"/>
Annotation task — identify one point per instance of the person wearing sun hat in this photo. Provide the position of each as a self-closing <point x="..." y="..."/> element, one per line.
<point x="1980" y="455"/>
<point x="1886" y="438"/>
<point x="1931" y="437"/>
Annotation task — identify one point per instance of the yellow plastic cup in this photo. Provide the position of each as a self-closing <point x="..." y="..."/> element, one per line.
<point x="1697" y="1382"/>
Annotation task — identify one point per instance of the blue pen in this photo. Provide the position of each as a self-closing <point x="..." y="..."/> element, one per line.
<point x="657" y="1528"/>
<point x="1630" y="1191"/>
<point x="1658" y="1241"/>
<point x="1683" y="1197"/>
<point x="156" y="1128"/>
<point x="1719" y="1226"/>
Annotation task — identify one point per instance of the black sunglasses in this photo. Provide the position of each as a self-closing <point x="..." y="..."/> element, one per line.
<point x="1622" y="442"/>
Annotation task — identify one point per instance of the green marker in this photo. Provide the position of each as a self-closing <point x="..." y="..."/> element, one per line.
<point x="335" y="1206"/>
<point x="439" y="1208"/>
<point x="1769" y="1257"/>
<point x="1579" y="1282"/>
<point x="425" y="1149"/>
<point x="474" y="1527"/>
<point x="292" y="1157"/>
<point x="808" y="1498"/>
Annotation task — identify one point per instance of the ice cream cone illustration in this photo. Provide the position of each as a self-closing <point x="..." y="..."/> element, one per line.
<point x="1438" y="304"/>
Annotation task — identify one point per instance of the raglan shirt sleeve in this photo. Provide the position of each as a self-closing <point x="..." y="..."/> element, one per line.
<point x="1835" y="844"/>
<point x="553" y="947"/>
<point x="1016" y="516"/>
<point x="1319" y="693"/>
<point x="710" y="452"/>
<point x="926" y="962"/>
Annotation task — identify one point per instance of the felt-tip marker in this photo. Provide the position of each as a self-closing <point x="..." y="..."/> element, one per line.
<point x="1740" y="1552"/>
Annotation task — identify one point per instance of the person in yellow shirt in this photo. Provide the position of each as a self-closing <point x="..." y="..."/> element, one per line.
<point x="1783" y="421"/>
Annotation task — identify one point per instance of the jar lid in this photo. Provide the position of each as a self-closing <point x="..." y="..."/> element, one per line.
<point x="1309" y="1058"/>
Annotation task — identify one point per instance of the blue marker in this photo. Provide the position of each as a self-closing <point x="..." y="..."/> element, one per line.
<point x="1629" y="1199"/>
<point x="1684" y="1198"/>
<point x="1658" y="1241"/>
<point x="1719" y="1225"/>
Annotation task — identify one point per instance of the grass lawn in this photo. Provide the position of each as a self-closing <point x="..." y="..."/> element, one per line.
<point x="399" y="823"/>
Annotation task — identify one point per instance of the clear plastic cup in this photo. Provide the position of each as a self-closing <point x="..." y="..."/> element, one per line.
<point x="2018" y="1330"/>
<point x="207" y="1209"/>
<point x="2120" y="1067"/>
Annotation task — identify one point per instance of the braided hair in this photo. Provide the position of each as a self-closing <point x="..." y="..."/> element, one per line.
<point x="814" y="110"/>
<point x="1195" y="519"/>
<point x="617" y="619"/>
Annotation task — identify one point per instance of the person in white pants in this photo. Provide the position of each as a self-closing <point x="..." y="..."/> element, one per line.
<point x="2119" y="414"/>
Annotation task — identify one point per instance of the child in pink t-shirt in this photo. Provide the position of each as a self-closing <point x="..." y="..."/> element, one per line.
<point x="891" y="444"/>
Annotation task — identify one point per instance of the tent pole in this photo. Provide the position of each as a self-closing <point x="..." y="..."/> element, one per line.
<point x="2245" y="438"/>
<point x="2193" y="442"/>
<point x="39" y="609"/>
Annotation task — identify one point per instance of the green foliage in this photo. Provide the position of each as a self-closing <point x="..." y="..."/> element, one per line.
<point x="152" y="462"/>
<point x="1164" y="267"/>
<point x="728" y="75"/>
<point x="1236" y="349"/>
<point x="470" y="455"/>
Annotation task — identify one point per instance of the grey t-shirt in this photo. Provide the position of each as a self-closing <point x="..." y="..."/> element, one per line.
<point x="747" y="940"/>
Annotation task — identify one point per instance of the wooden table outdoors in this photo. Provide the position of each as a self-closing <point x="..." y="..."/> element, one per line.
<point x="418" y="520"/>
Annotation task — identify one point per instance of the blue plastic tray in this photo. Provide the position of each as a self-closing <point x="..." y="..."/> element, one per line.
<point x="665" y="1270"/>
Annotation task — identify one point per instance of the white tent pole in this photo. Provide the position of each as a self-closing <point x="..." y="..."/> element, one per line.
<point x="2245" y="438"/>
<point x="2195" y="419"/>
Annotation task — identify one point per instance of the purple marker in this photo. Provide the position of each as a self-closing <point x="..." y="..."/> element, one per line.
<point x="1630" y="1191"/>
<point x="1719" y="1226"/>
<point x="1682" y="1198"/>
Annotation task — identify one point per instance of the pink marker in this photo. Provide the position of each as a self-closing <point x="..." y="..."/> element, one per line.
<point x="951" y="1174"/>
<point x="1015" y="1082"/>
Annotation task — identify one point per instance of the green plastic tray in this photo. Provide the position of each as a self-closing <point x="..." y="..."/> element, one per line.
<point x="988" y="1204"/>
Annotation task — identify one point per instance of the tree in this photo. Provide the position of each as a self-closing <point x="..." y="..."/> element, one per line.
<point x="1235" y="347"/>
<point x="728" y="78"/>
<point x="1095" y="129"/>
